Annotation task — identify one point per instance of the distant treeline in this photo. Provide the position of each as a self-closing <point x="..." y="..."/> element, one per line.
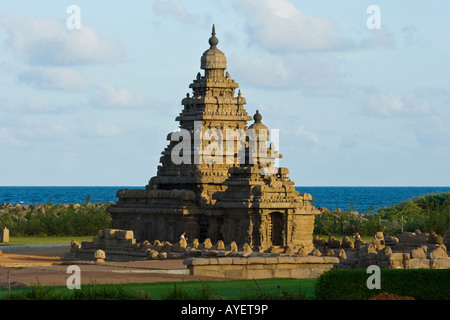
<point x="426" y="213"/>
<point x="55" y="219"/>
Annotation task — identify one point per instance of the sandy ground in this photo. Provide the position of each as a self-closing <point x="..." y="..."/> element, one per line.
<point x="48" y="268"/>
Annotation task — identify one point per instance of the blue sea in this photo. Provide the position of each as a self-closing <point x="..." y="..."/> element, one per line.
<point x="358" y="198"/>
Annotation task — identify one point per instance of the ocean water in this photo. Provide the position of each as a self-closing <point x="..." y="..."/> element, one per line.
<point x="358" y="198"/>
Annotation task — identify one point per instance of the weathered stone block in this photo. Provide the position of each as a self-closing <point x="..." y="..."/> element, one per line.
<point x="418" y="253"/>
<point x="225" y="261"/>
<point x="412" y="237"/>
<point x="86" y="245"/>
<point x="286" y="260"/>
<point x="236" y="273"/>
<point x="110" y="233"/>
<point x="334" y="260"/>
<point x="301" y="273"/>
<point x="239" y="260"/>
<point x="440" y="263"/>
<point x="258" y="273"/>
<point x="310" y="259"/>
<point x="416" y="263"/>
<point x="439" y="252"/>
<point x="199" y="261"/>
<point x="271" y="260"/>
<point x="124" y="234"/>
<point x="255" y="260"/>
<point x="281" y="273"/>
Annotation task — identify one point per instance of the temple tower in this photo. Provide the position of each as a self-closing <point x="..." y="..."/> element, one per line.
<point x="216" y="177"/>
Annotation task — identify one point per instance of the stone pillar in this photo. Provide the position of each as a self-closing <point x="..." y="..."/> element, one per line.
<point x="4" y="235"/>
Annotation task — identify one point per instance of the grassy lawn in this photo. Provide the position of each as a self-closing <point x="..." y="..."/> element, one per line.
<point x="265" y="289"/>
<point x="45" y="240"/>
<point x="235" y="289"/>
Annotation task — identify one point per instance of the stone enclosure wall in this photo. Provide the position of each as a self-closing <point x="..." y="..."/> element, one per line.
<point x="257" y="267"/>
<point x="407" y="251"/>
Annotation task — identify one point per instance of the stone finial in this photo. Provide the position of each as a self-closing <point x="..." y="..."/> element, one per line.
<point x="257" y="117"/>
<point x="213" y="41"/>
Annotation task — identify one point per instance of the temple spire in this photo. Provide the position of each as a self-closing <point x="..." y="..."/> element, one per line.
<point x="213" y="41"/>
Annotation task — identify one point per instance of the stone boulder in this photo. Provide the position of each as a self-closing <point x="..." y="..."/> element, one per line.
<point x="152" y="254"/>
<point x="347" y="243"/>
<point x="433" y="238"/>
<point x="319" y="242"/>
<point x="333" y="243"/>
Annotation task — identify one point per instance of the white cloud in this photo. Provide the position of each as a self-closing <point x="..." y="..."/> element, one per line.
<point x="314" y="75"/>
<point x="308" y="138"/>
<point x="54" y="78"/>
<point x="172" y="8"/>
<point x="35" y="104"/>
<point x="116" y="98"/>
<point x="42" y="41"/>
<point x="433" y="132"/>
<point x="107" y="130"/>
<point x="390" y="105"/>
<point x="277" y="25"/>
<point x="7" y="139"/>
<point x="38" y="128"/>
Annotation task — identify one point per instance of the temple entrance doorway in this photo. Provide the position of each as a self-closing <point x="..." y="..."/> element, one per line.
<point x="277" y="228"/>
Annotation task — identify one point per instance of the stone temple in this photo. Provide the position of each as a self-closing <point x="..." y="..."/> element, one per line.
<point x="217" y="177"/>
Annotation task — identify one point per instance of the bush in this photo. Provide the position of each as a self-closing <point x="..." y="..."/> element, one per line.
<point x="55" y="219"/>
<point x="426" y="213"/>
<point x="422" y="284"/>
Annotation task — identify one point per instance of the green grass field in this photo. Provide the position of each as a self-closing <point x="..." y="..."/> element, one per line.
<point x="265" y="289"/>
<point x="45" y="240"/>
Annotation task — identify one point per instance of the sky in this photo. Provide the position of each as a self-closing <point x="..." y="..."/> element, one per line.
<point x="360" y="94"/>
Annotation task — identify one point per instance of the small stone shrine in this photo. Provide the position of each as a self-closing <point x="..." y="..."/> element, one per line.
<point x="216" y="185"/>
